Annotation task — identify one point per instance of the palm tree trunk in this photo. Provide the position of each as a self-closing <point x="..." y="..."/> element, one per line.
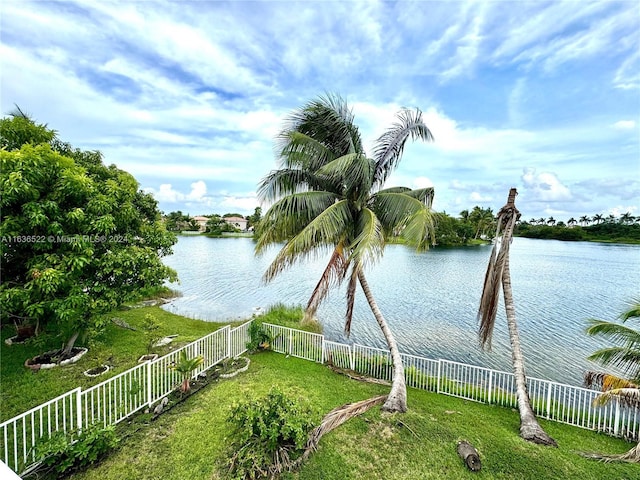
<point x="397" y="399"/>
<point x="530" y="429"/>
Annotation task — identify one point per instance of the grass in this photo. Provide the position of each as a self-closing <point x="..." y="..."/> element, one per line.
<point x="190" y="440"/>
<point x="118" y="347"/>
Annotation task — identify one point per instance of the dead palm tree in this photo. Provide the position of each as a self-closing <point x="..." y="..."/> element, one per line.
<point x="498" y="274"/>
<point x="327" y="196"/>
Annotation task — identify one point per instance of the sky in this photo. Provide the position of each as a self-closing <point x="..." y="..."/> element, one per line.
<point x="188" y="96"/>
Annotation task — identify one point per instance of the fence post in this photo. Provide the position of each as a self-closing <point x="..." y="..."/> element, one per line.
<point x="290" y="340"/>
<point x="549" y="395"/>
<point x="323" y="351"/>
<point x="228" y="355"/>
<point x="439" y="375"/>
<point x="616" y="425"/>
<point x="149" y="383"/>
<point x="352" y="360"/>
<point x="490" y="387"/>
<point x="79" y="410"/>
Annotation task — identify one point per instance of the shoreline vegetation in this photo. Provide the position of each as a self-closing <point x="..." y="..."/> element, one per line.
<point x="434" y="423"/>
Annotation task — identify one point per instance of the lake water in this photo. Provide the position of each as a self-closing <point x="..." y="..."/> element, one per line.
<point x="430" y="299"/>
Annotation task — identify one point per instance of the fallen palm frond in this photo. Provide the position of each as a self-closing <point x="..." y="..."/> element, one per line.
<point x="331" y="420"/>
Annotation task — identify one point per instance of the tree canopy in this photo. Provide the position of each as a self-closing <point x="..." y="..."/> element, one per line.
<point x="78" y="238"/>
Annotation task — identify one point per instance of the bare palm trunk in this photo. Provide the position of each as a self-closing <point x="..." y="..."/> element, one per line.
<point x="397" y="399"/>
<point x="530" y="429"/>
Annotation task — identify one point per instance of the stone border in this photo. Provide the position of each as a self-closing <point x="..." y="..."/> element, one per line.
<point x="12" y="341"/>
<point x="145" y="358"/>
<point x="38" y="366"/>
<point x="240" y="370"/>
<point x="86" y="372"/>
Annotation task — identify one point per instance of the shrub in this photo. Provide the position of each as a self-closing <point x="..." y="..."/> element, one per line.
<point x="185" y="367"/>
<point x="260" y="336"/>
<point x="267" y="432"/>
<point x="65" y="451"/>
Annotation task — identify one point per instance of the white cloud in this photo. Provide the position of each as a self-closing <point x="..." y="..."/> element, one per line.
<point x="544" y="186"/>
<point x="625" y="125"/>
<point x="422" y="182"/>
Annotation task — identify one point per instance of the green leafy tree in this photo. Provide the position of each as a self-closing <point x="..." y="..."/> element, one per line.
<point x="497" y="275"/>
<point x="254" y="219"/>
<point x="78" y="238"/>
<point x="327" y="196"/>
<point x="625" y="356"/>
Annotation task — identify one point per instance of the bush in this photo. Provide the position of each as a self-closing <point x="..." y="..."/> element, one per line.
<point x="260" y="336"/>
<point x="266" y="432"/>
<point x="65" y="451"/>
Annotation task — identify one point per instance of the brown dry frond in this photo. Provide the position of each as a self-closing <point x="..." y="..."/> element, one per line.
<point x="333" y="275"/>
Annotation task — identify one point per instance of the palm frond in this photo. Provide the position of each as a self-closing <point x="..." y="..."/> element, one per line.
<point x="615" y="331"/>
<point x="329" y="121"/>
<point x="279" y="183"/>
<point x="333" y="275"/>
<point x="624" y="358"/>
<point x="420" y="231"/>
<point x="291" y="215"/>
<point x="489" y="300"/>
<point x="325" y="231"/>
<point x="300" y="151"/>
<point x="353" y="171"/>
<point x="394" y="209"/>
<point x="632" y="312"/>
<point x="390" y="145"/>
<point x="425" y="195"/>
<point x="606" y="381"/>
<point x="368" y="246"/>
<point x="628" y="397"/>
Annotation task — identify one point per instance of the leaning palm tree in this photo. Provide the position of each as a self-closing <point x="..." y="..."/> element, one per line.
<point x="497" y="274"/>
<point x="626" y="357"/>
<point x="327" y="197"/>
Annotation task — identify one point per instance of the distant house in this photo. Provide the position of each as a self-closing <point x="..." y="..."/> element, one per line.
<point x="202" y="222"/>
<point x="237" y="222"/>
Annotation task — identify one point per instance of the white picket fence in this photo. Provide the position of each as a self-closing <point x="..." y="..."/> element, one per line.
<point x="129" y="392"/>
<point x="113" y="400"/>
<point x="550" y="400"/>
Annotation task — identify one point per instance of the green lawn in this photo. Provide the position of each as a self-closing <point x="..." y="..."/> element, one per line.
<point x="118" y="347"/>
<point x="189" y="441"/>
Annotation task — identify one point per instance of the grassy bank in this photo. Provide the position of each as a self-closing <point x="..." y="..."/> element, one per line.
<point x="118" y="347"/>
<point x="190" y="440"/>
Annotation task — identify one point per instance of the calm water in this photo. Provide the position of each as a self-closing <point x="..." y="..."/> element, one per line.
<point x="430" y="299"/>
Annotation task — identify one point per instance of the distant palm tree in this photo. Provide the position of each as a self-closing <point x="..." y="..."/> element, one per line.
<point x="626" y="218"/>
<point x="497" y="274"/>
<point x="625" y="356"/>
<point x="584" y="220"/>
<point x="551" y="221"/>
<point x="541" y="221"/>
<point x="327" y="197"/>
<point x="598" y="218"/>
<point x="571" y="222"/>
<point x="532" y="221"/>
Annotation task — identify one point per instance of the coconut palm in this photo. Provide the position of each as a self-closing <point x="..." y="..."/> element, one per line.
<point x="571" y="222"/>
<point x="625" y="356"/>
<point x="598" y="218"/>
<point x="498" y="273"/>
<point x="327" y="198"/>
<point x="584" y="220"/>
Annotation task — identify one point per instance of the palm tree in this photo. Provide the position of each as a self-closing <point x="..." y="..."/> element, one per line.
<point x="584" y="220"/>
<point x="498" y="273"/>
<point x="626" y="356"/>
<point x="598" y="218"/>
<point x="626" y="218"/>
<point x="541" y="221"/>
<point x="551" y="221"/>
<point x="571" y="222"/>
<point x="327" y="197"/>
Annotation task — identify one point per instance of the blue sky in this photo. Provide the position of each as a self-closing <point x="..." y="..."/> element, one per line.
<point x="189" y="95"/>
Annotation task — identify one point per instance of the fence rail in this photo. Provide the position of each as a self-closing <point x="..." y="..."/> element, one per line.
<point x="128" y="392"/>
<point x="113" y="400"/>
<point x="550" y="400"/>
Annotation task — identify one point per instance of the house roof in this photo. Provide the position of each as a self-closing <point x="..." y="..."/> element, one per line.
<point x="234" y="219"/>
<point x="201" y="219"/>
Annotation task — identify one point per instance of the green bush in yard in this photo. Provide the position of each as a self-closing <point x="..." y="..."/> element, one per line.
<point x="62" y="451"/>
<point x="267" y="432"/>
